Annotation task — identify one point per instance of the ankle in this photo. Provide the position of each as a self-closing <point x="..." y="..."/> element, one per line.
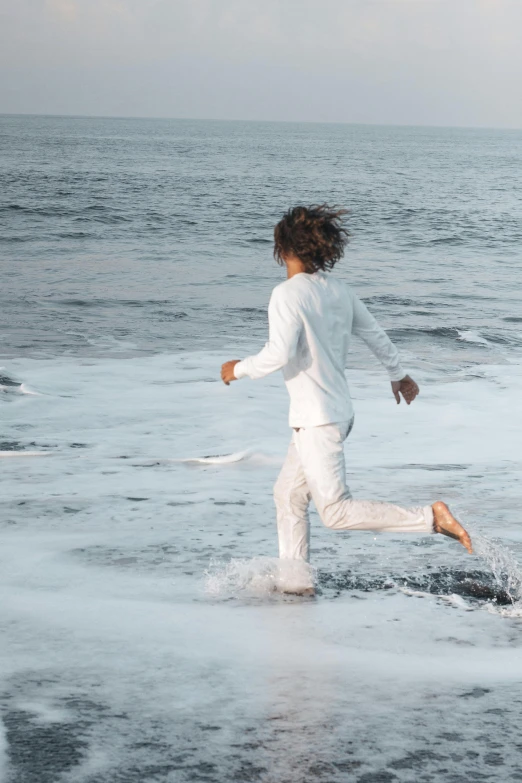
<point x="437" y="508"/>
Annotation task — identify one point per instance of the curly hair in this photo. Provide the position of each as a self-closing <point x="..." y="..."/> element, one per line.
<point x="315" y="234"/>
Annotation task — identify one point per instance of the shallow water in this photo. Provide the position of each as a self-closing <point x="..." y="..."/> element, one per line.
<point x="142" y="637"/>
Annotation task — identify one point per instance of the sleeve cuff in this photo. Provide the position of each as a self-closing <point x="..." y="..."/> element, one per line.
<point x="240" y="370"/>
<point x="397" y="374"/>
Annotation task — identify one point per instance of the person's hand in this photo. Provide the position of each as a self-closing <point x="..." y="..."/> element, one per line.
<point x="407" y="387"/>
<point x="227" y="371"/>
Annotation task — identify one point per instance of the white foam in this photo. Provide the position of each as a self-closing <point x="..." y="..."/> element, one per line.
<point x="456" y="601"/>
<point x="24" y="390"/>
<point x="45" y="713"/>
<point x="223" y="459"/>
<point x="453" y="599"/>
<point x="105" y="548"/>
<point x="470" y="336"/>
<point x="8" y="454"/>
<point x="415" y="593"/>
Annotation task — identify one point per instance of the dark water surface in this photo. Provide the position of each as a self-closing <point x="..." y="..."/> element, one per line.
<point x="159" y="231"/>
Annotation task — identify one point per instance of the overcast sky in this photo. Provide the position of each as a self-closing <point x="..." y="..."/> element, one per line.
<point x="430" y="62"/>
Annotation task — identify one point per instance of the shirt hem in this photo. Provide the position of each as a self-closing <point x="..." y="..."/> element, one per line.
<point x="330" y="419"/>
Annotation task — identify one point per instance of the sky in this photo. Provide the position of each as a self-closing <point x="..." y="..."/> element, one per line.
<point x="414" y="62"/>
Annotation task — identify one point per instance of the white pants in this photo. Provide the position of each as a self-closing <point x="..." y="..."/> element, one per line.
<point x="315" y="469"/>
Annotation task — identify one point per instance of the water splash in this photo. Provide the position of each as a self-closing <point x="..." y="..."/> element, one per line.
<point x="505" y="569"/>
<point x="257" y="577"/>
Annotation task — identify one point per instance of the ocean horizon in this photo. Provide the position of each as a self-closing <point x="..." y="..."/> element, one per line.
<point x="500" y="128"/>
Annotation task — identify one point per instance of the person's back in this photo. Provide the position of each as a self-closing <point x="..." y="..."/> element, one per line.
<point x="324" y="305"/>
<point x="312" y="316"/>
<point x="314" y="374"/>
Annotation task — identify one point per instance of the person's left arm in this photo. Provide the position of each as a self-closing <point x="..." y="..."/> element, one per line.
<point x="366" y="327"/>
<point x="285" y="327"/>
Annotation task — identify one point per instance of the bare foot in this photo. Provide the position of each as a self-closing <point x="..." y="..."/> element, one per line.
<point x="444" y="522"/>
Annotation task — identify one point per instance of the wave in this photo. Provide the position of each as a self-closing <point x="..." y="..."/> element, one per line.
<point x="25" y="390"/>
<point x="444" y="332"/>
<point x="97" y="213"/>
<point x="38" y="211"/>
<point x="4" y="454"/>
<point x="75" y="235"/>
<point x="6" y="380"/>
<point x="455" y="335"/>
<point x="218" y="459"/>
<point x="167" y="315"/>
<point x="391" y="299"/>
<point x="10" y="386"/>
<point x="249" y="313"/>
<point x="113" y="302"/>
<point x="472" y="337"/>
<point x="10" y="445"/>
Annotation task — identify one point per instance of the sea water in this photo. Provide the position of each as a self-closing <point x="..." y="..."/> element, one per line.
<point x="142" y="639"/>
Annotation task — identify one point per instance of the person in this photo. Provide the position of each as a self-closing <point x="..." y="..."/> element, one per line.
<point x="312" y="317"/>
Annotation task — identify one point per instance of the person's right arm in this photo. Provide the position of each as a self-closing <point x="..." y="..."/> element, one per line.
<point x="284" y="329"/>
<point x="366" y="327"/>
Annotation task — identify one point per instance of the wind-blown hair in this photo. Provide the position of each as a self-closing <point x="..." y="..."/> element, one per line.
<point x="316" y="235"/>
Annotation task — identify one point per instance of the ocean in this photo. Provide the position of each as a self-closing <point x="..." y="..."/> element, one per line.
<point x="142" y="639"/>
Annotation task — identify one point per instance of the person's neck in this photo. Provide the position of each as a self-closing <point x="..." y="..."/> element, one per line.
<point x="294" y="266"/>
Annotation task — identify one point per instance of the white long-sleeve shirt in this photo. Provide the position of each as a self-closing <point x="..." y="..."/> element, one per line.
<point x="311" y="320"/>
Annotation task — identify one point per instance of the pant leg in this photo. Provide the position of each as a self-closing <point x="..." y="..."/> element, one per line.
<point x="322" y="457"/>
<point x="292" y="497"/>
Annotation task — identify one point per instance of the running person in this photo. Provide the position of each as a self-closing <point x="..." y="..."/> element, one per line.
<point x="312" y="316"/>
